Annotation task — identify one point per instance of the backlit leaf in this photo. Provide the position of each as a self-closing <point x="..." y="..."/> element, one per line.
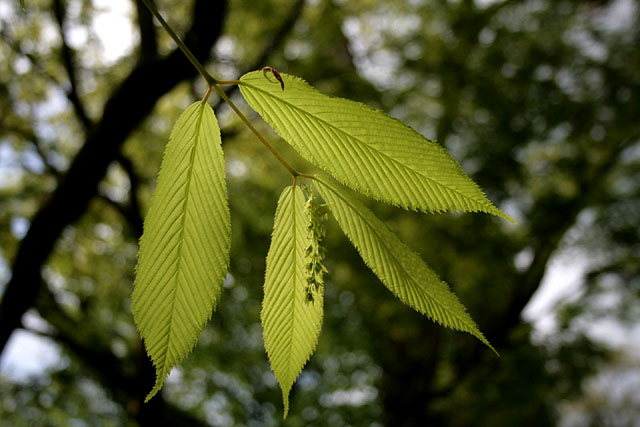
<point x="291" y="322"/>
<point x="400" y="269"/>
<point x="363" y="148"/>
<point x="184" y="251"/>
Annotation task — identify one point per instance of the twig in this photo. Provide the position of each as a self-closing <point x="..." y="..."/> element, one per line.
<point x="148" y="40"/>
<point x="187" y="52"/>
<point x="276" y="41"/>
<point x="37" y="64"/>
<point x="134" y="212"/>
<point x="246" y="121"/>
<point x="37" y="144"/>
<point x="68" y="60"/>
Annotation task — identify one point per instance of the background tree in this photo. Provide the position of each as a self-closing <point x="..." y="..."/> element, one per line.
<point x="537" y="100"/>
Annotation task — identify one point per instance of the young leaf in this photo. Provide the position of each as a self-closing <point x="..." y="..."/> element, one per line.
<point x="291" y="323"/>
<point x="363" y="148"/>
<point x="400" y="269"/>
<point x="184" y="251"/>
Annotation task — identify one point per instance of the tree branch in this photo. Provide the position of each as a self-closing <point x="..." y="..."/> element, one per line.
<point x="128" y="389"/>
<point x="131" y="211"/>
<point x="547" y="230"/>
<point x="280" y="35"/>
<point x="274" y="44"/>
<point x="548" y="235"/>
<point x="33" y="59"/>
<point x="68" y="60"/>
<point x="134" y="210"/>
<point x="30" y="136"/>
<point x="135" y="221"/>
<point x="71" y="92"/>
<point x="148" y="40"/>
<point x="125" y="109"/>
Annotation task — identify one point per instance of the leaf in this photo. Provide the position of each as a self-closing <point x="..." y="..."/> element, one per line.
<point x="291" y="323"/>
<point x="184" y="251"/>
<point x="363" y="148"/>
<point x="400" y="269"/>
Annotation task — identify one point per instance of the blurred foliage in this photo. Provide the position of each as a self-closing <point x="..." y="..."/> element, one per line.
<point x="537" y="99"/>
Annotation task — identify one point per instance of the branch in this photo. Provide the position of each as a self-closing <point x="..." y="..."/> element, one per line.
<point x="128" y="389"/>
<point x="548" y="235"/>
<point x="181" y="44"/>
<point x="59" y="12"/>
<point x="135" y="212"/>
<point x="135" y="221"/>
<point x="35" y="61"/>
<point x="281" y="34"/>
<point x="274" y="44"/>
<point x="30" y="136"/>
<point x="131" y="211"/>
<point x="148" y="40"/>
<point x="125" y="109"/>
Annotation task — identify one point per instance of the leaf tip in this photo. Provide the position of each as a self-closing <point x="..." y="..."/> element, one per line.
<point x="493" y="210"/>
<point x="476" y="333"/>
<point x="155" y="390"/>
<point x="161" y="375"/>
<point x="491" y="347"/>
<point x="285" y="400"/>
<point x="507" y="217"/>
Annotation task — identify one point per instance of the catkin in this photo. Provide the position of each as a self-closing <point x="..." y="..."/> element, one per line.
<point x="315" y="252"/>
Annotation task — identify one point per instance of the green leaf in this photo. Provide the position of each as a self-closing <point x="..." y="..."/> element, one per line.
<point x="184" y="251"/>
<point x="400" y="269"/>
<point x="291" y="323"/>
<point x="363" y="148"/>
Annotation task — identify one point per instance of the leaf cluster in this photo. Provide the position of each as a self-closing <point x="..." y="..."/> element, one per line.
<point x="184" y="251"/>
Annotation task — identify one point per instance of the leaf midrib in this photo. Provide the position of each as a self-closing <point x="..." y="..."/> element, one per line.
<point x="362" y="143"/>
<point x="295" y="275"/>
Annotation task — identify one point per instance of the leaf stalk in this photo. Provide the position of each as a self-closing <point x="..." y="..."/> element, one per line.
<point x="206" y="95"/>
<point x="213" y="83"/>
<point x="246" y="121"/>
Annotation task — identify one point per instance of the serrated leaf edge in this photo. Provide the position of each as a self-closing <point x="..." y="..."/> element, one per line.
<point x="357" y="207"/>
<point x="487" y="206"/>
